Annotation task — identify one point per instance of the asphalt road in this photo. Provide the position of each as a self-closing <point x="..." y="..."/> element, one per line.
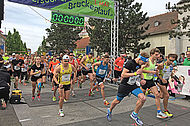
<point x="83" y="110"/>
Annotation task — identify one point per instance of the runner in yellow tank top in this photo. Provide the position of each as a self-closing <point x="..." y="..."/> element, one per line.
<point x="64" y="72"/>
<point x="86" y="63"/>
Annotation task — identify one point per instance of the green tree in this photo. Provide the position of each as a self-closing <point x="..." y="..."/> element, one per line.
<point x="62" y="37"/>
<point x="182" y="25"/>
<point x="131" y="30"/>
<point x="14" y="43"/>
<point x="100" y="35"/>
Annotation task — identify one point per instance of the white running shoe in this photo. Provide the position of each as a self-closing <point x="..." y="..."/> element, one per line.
<point x="61" y="113"/>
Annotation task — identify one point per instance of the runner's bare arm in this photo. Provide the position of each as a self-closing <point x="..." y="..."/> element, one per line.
<point x="109" y="68"/>
<point x="95" y="64"/>
<point x="55" y="74"/>
<point x="125" y="73"/>
<point x="75" y="71"/>
<point x="81" y="62"/>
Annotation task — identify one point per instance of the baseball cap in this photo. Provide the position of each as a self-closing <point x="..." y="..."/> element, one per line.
<point x="65" y="57"/>
<point x="13" y="54"/>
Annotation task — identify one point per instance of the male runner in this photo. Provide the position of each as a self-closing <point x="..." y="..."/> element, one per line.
<point x="16" y="69"/>
<point x="149" y="73"/>
<point x="118" y="67"/>
<point x="64" y="73"/>
<point x="52" y="66"/>
<point x="100" y="74"/>
<point x="86" y="63"/>
<point x="130" y="84"/>
<point x="73" y="62"/>
<point x="166" y="70"/>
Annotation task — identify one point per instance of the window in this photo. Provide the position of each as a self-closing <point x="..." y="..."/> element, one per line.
<point x="156" y="23"/>
<point x="162" y="50"/>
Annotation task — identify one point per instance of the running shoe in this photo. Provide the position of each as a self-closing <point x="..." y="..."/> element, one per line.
<point x="3" y="104"/>
<point x="91" y="93"/>
<point x="61" y="113"/>
<point x="54" y="98"/>
<point x="33" y="97"/>
<point x="97" y="89"/>
<point x="161" y="115"/>
<point x="106" y="103"/>
<point x="38" y="97"/>
<point x="52" y="89"/>
<point x="109" y="115"/>
<point x="65" y="100"/>
<point x="136" y="118"/>
<point x="73" y="94"/>
<point x="147" y="92"/>
<point x="168" y="114"/>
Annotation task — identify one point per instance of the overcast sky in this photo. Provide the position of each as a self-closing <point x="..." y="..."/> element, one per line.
<point x="32" y="27"/>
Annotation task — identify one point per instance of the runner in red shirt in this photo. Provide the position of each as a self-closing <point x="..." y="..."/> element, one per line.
<point x="73" y="62"/>
<point x="118" y="67"/>
<point x="52" y="66"/>
<point x="79" y="72"/>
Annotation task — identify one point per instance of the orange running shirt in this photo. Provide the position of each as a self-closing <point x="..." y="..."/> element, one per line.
<point x="119" y="62"/>
<point x="52" y="65"/>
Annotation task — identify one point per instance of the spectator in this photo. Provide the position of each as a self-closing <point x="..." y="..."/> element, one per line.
<point x="160" y="59"/>
<point x="4" y="84"/>
<point x="1" y="56"/>
<point x="187" y="63"/>
<point x="187" y="60"/>
<point x="182" y="58"/>
<point x="6" y="57"/>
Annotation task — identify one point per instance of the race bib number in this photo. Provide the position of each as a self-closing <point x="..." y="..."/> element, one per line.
<point x="66" y="77"/>
<point x="23" y="69"/>
<point x="132" y="80"/>
<point x="102" y="72"/>
<point x="88" y="65"/>
<point x="150" y="74"/>
<point x="16" y="68"/>
<point x="37" y="75"/>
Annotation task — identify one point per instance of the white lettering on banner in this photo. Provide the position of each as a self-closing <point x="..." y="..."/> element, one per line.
<point x="66" y="77"/>
<point x="183" y="75"/>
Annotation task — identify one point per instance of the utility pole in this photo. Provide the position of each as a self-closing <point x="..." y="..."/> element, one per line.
<point x="1" y="11"/>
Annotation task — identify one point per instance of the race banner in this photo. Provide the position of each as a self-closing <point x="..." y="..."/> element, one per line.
<point x="181" y="80"/>
<point x="103" y="9"/>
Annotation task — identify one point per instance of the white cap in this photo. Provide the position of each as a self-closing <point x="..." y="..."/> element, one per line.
<point x="65" y="57"/>
<point x="13" y="54"/>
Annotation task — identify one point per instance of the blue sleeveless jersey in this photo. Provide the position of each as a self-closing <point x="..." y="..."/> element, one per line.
<point x="101" y="71"/>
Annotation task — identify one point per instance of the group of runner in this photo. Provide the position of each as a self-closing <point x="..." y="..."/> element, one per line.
<point x="136" y="75"/>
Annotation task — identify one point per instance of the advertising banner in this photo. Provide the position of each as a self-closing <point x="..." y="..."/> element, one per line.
<point x="181" y="83"/>
<point x="103" y="9"/>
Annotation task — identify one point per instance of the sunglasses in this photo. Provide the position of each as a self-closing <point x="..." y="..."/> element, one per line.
<point x="71" y="55"/>
<point x="66" y="61"/>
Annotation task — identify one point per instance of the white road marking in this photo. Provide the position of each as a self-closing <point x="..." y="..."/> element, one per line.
<point x="24" y="120"/>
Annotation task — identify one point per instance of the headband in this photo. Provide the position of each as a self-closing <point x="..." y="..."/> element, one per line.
<point x="143" y="58"/>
